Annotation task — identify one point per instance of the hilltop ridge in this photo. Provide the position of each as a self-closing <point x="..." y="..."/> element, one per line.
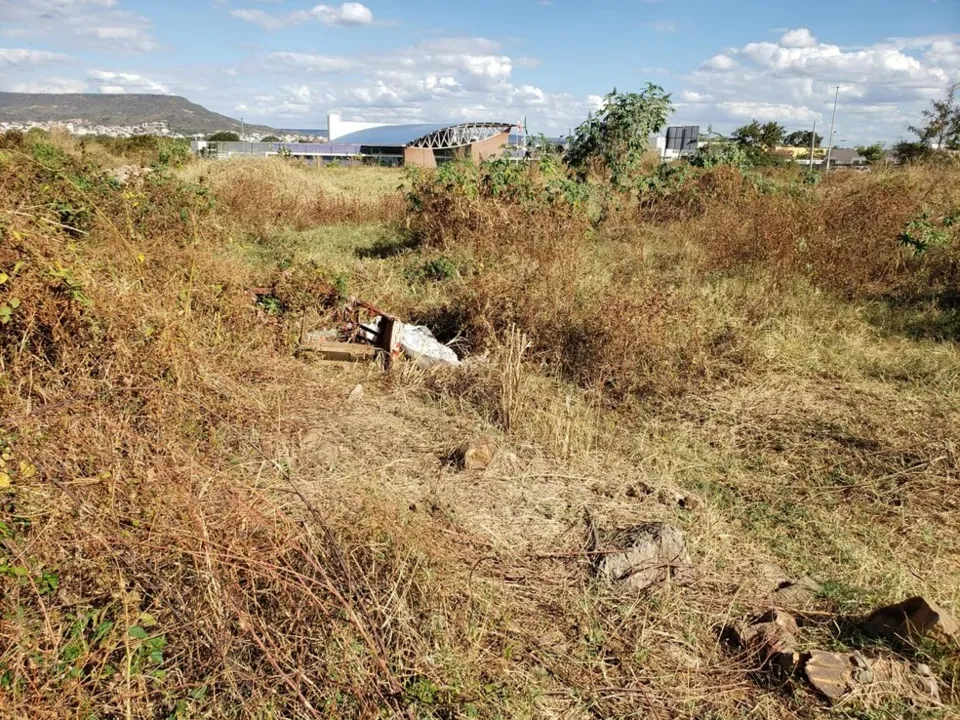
<point x="178" y="114"/>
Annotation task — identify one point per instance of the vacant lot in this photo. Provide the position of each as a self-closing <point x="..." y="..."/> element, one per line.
<point x="197" y="521"/>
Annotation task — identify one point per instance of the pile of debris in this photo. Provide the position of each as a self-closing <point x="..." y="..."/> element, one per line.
<point x="366" y="332"/>
<point x="867" y="676"/>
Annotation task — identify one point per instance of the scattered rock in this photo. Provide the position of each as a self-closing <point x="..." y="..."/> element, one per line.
<point x="912" y="620"/>
<point x="833" y="674"/>
<point x="128" y="173"/>
<point x="313" y="437"/>
<point x="772" y="576"/>
<point x="798" y="594"/>
<point x="476" y="454"/>
<point x="356" y="395"/>
<point x="783" y="590"/>
<point x="644" y="555"/>
<point x="869" y="681"/>
<point x="682" y="500"/>
<point x="638" y="490"/>
<point x="772" y="640"/>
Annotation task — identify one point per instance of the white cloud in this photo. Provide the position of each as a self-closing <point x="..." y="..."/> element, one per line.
<point x="92" y="23"/>
<point x="51" y="85"/>
<point x="120" y="38"/>
<point x="286" y="61"/>
<point x="799" y="38"/>
<point x="720" y="62"/>
<point x="345" y="14"/>
<point x="259" y="17"/>
<point x="121" y="82"/>
<point x="884" y="86"/>
<point x="435" y="80"/>
<point x="350" y="13"/>
<point x="12" y="57"/>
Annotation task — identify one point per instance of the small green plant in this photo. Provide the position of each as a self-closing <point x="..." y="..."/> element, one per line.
<point x="437" y="269"/>
<point x="70" y="284"/>
<point x="270" y="304"/>
<point x="148" y="649"/>
<point x="923" y="232"/>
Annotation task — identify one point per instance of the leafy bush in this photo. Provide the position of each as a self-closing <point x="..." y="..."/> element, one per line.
<point x="614" y="140"/>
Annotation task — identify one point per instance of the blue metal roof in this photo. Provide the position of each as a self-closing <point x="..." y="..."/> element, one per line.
<point x="392" y="135"/>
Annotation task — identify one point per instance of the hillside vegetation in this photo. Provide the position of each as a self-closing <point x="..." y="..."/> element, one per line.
<point x="179" y="114"/>
<point x="198" y="521"/>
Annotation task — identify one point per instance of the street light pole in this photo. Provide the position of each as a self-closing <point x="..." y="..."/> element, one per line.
<point x="832" y="125"/>
<point x="813" y="140"/>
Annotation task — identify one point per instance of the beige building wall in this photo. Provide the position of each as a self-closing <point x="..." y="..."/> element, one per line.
<point x="419" y="157"/>
<point x="483" y="150"/>
<point x="491" y="147"/>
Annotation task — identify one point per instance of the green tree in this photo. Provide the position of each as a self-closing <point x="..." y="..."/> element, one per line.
<point x="270" y="138"/>
<point x="224" y="136"/>
<point x="873" y="153"/>
<point x="801" y="138"/>
<point x="765" y="137"/>
<point x="940" y="124"/>
<point x="759" y="142"/>
<point x="911" y="152"/>
<point x="617" y="136"/>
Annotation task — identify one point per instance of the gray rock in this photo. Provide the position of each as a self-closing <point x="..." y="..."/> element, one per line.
<point x="644" y="555"/>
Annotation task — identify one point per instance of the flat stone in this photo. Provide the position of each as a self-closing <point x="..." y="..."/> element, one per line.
<point x="356" y="395"/>
<point x="797" y="594"/>
<point x="869" y="682"/>
<point x="650" y="553"/>
<point x="772" y="640"/>
<point x="830" y="673"/>
<point x="911" y="621"/>
<point x="477" y="454"/>
<point x="772" y="576"/>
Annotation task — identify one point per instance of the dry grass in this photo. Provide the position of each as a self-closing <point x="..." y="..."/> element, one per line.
<point x="263" y="194"/>
<point x="203" y="525"/>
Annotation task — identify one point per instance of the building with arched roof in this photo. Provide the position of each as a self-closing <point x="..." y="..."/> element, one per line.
<point x="421" y="145"/>
<point x="427" y="145"/>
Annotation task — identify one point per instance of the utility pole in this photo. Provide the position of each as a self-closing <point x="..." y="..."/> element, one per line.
<point x="832" y="124"/>
<point x="813" y="141"/>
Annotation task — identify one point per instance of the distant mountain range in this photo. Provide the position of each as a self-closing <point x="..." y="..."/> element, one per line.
<point x="179" y="114"/>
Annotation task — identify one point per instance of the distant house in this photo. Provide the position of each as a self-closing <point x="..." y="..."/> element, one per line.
<point x="839" y="157"/>
<point x="846" y="157"/>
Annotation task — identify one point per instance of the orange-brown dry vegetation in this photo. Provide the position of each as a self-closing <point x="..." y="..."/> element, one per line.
<point x="196" y="521"/>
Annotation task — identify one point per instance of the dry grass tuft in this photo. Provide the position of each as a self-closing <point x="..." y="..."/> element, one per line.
<point x="261" y="195"/>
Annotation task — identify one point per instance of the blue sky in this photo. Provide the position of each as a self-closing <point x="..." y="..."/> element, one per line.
<point x="287" y="63"/>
